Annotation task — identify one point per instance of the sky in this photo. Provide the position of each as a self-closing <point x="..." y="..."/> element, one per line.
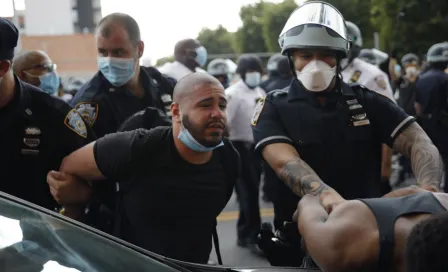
<point x="164" y="22"/>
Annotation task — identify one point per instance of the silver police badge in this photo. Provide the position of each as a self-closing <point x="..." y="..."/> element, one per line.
<point x="88" y="111"/>
<point x="75" y="122"/>
<point x="258" y="109"/>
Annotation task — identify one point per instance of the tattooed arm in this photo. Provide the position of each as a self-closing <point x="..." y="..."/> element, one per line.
<point x="426" y="162"/>
<point x="298" y="175"/>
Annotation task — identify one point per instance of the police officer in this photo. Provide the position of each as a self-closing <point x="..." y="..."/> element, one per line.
<point x="36" y="130"/>
<point x="406" y="99"/>
<point x="242" y="98"/>
<point x="121" y="87"/>
<point x="189" y="56"/>
<point x="36" y="68"/>
<point x="220" y="69"/>
<point x="368" y="56"/>
<point x="431" y="99"/>
<point x="280" y="75"/>
<point x="369" y="75"/>
<point x="359" y="71"/>
<point x="322" y="132"/>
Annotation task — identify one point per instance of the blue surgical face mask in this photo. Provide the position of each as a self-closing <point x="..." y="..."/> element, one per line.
<point x="252" y="79"/>
<point x="49" y="82"/>
<point x="118" y="71"/>
<point x="188" y="140"/>
<point x="201" y="56"/>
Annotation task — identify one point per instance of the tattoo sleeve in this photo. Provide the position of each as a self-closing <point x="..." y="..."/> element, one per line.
<point x="426" y="162"/>
<point x="302" y="179"/>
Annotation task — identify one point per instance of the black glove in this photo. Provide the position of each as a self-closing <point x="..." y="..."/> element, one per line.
<point x="282" y="248"/>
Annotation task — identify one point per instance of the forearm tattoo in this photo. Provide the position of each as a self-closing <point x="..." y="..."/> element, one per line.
<point x="302" y="179"/>
<point x="426" y="162"/>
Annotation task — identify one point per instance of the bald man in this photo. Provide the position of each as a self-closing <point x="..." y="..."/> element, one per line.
<point x="36" y="68"/>
<point x="174" y="181"/>
<point x="368" y="234"/>
<point x="189" y="55"/>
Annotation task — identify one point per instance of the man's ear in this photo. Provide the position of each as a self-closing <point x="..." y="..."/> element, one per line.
<point x="141" y="48"/>
<point x="175" y="112"/>
<point x="5" y="66"/>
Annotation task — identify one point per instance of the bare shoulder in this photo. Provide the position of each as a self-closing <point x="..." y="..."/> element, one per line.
<point x="357" y="234"/>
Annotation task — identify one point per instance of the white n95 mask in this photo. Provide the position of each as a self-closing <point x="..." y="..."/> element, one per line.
<point x="316" y="76"/>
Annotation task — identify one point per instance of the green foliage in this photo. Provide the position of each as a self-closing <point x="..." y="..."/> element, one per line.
<point x="249" y="37"/>
<point x="423" y="23"/>
<point x="164" y="60"/>
<point x="274" y="20"/>
<point x="217" y="41"/>
<point x="357" y="12"/>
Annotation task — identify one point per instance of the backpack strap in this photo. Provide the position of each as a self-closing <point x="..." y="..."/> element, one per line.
<point x="230" y="160"/>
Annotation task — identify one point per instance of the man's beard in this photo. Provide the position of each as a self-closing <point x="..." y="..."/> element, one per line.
<point x="199" y="133"/>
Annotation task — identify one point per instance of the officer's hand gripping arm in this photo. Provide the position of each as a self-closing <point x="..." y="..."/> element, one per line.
<point x="298" y="175"/>
<point x="321" y="234"/>
<point x="426" y="162"/>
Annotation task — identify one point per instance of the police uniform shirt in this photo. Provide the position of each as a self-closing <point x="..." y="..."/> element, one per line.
<point x="368" y="75"/>
<point x="340" y="141"/>
<point x="170" y="205"/>
<point x="241" y="101"/>
<point x="432" y="91"/>
<point x="406" y="95"/>
<point x="432" y="96"/>
<point x="36" y="132"/>
<point x="105" y="107"/>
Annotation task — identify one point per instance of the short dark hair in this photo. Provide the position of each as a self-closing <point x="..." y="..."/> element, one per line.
<point x="427" y="245"/>
<point x="126" y="21"/>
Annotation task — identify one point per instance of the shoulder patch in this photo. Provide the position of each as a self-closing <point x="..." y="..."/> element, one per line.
<point x="381" y="82"/>
<point x="258" y="109"/>
<point x="280" y="92"/>
<point x="75" y="122"/>
<point x="88" y="111"/>
<point x="355" y="77"/>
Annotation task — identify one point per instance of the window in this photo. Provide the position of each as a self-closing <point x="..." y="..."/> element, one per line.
<point x="75" y="17"/>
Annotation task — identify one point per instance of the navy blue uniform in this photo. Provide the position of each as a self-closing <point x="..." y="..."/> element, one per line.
<point x="105" y="107"/>
<point x="276" y="83"/>
<point x="341" y="141"/>
<point x="432" y="95"/>
<point x="36" y="132"/>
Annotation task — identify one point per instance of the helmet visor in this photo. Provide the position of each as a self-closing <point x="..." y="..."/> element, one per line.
<point x="318" y="13"/>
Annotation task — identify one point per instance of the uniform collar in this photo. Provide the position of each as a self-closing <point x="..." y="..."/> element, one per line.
<point x="24" y="97"/>
<point x="19" y="107"/>
<point x="298" y="92"/>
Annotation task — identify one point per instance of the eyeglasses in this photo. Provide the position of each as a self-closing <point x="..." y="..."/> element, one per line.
<point x="50" y="67"/>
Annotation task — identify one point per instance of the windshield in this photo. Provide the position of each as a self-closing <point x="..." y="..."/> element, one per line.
<point x="34" y="241"/>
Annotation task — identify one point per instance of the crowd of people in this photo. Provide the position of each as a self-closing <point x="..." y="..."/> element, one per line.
<point x="152" y="155"/>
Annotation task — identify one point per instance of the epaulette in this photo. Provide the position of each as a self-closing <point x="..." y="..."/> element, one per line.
<point x="280" y="92"/>
<point x="90" y="89"/>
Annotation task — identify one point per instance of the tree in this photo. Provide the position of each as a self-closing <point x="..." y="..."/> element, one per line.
<point x="359" y="13"/>
<point x="273" y="22"/>
<point x="164" y="60"/>
<point x="249" y="37"/>
<point x="410" y="26"/>
<point x="217" y="41"/>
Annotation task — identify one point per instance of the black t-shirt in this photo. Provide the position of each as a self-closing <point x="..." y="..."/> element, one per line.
<point x="170" y="205"/>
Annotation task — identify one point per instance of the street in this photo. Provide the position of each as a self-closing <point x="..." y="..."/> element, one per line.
<point x="232" y="254"/>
